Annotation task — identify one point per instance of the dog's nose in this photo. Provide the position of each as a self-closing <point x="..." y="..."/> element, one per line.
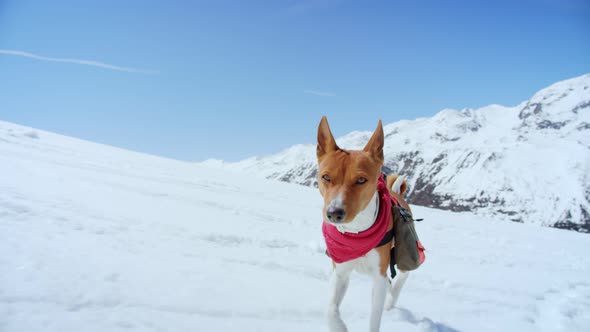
<point x="335" y="214"/>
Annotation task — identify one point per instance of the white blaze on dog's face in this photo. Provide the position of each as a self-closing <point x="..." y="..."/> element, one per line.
<point x="347" y="178"/>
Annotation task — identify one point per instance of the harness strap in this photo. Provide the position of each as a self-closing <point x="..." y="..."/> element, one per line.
<point x="387" y="238"/>
<point x="389" y="235"/>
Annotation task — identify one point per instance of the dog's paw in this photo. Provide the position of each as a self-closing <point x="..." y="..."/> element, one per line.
<point x="389" y="303"/>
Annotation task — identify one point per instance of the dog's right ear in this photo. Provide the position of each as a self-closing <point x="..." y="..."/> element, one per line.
<point x="326" y="142"/>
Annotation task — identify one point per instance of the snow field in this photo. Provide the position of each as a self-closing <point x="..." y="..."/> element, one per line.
<point x="96" y="238"/>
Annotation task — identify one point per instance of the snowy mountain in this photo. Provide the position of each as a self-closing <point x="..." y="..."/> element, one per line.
<point x="528" y="163"/>
<point x="96" y="238"/>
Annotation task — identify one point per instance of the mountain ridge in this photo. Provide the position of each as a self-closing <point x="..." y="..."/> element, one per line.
<point x="526" y="163"/>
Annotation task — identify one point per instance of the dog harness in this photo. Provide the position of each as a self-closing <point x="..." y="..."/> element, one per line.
<point x="343" y="247"/>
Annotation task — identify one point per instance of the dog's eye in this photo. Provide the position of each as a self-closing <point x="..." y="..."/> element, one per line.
<point x="326" y="178"/>
<point x="361" y="180"/>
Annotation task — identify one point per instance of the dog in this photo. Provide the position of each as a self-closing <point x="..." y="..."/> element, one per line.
<point x="355" y="195"/>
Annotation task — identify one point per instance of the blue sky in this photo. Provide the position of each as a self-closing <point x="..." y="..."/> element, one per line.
<point x="232" y="79"/>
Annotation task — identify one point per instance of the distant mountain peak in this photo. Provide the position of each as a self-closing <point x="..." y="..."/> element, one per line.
<point x="527" y="163"/>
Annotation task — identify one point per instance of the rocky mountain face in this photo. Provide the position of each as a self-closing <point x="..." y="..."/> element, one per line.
<point x="529" y="163"/>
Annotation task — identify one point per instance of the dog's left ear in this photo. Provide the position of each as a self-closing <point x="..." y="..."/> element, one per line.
<point x="375" y="145"/>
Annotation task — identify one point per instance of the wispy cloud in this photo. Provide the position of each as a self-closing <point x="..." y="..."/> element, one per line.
<point x="320" y="93"/>
<point x="78" y="62"/>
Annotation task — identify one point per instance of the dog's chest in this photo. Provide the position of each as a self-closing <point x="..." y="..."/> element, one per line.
<point x="367" y="264"/>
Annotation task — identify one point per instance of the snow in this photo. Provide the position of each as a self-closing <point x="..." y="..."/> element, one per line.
<point x="96" y="238"/>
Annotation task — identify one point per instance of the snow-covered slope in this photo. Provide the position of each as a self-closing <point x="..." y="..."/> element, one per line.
<point x="529" y="163"/>
<point x="96" y="238"/>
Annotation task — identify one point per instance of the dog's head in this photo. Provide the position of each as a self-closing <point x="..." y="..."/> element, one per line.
<point x="347" y="179"/>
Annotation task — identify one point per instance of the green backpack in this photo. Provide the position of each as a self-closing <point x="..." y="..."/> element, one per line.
<point x="408" y="252"/>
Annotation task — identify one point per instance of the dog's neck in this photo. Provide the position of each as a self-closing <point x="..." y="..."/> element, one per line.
<point x="364" y="219"/>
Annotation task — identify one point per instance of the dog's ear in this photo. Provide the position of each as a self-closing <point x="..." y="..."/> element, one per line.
<point x="326" y="142"/>
<point x="375" y="145"/>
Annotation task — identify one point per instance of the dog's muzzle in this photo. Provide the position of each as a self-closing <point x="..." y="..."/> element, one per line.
<point x="335" y="214"/>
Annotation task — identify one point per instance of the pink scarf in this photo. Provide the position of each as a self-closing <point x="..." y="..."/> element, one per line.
<point x="343" y="247"/>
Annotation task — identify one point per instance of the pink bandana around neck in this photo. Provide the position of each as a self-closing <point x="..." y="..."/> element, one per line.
<point x="343" y="247"/>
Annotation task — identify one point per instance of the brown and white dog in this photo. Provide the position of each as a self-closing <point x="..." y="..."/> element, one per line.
<point x="348" y="183"/>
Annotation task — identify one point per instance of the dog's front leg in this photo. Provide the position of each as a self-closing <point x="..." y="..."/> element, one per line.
<point x="379" y="287"/>
<point x="338" y="286"/>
